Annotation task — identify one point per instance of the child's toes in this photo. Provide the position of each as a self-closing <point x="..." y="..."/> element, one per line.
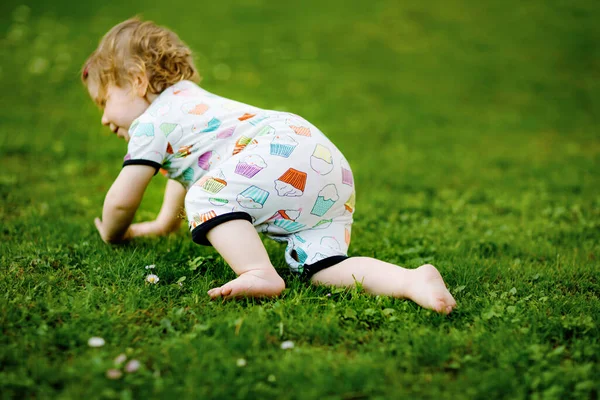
<point x="214" y="293"/>
<point x="226" y="290"/>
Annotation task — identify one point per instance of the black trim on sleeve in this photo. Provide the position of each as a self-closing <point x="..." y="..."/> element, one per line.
<point x="143" y="162"/>
<point x="199" y="232"/>
<point x="311" y="269"/>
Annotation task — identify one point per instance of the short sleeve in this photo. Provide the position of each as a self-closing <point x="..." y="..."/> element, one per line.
<point x="147" y="144"/>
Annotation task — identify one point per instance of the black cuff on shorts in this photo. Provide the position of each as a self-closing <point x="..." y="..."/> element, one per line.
<point x="199" y="232"/>
<point x="149" y="163"/>
<point x="311" y="269"/>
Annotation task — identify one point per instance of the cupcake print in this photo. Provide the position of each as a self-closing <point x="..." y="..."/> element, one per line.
<point x="184" y="151"/>
<point x="265" y="131"/>
<point x="216" y="201"/>
<point x="212" y="125"/>
<point x="226" y="133"/>
<point x="252" y="197"/>
<point x="200" y="218"/>
<point x="212" y="184"/>
<point x="347" y="235"/>
<point x="350" y="204"/>
<point x="288" y="225"/>
<point x="250" y="165"/>
<point x="291" y="183"/>
<point x="173" y="132"/>
<point x="143" y="134"/>
<point x="347" y="178"/>
<point x="286" y="220"/>
<point x="283" y="146"/>
<point x="240" y="144"/>
<point x="194" y="108"/>
<point x="188" y="174"/>
<point x="326" y="199"/>
<point x="208" y="159"/>
<point x="321" y="161"/>
<point x="301" y="130"/>
<point x="246" y="116"/>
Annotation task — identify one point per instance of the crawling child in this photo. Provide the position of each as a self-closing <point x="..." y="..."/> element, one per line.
<point x="238" y="171"/>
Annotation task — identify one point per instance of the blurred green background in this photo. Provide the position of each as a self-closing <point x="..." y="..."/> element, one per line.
<point x="473" y="132"/>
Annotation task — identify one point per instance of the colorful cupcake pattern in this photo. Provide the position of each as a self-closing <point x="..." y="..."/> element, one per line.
<point x="326" y="199"/>
<point x="286" y="220"/>
<point x="246" y="116"/>
<point x="349" y="204"/>
<point x="265" y="131"/>
<point x="252" y="197"/>
<point x="347" y="178"/>
<point x="184" y="151"/>
<point x="212" y="125"/>
<point x="208" y="159"/>
<point x="275" y="166"/>
<point x="200" y="218"/>
<point x="282" y="146"/>
<point x="215" y="201"/>
<point x="143" y="134"/>
<point x="226" y="133"/>
<point x="291" y="183"/>
<point x="301" y="130"/>
<point x="258" y="120"/>
<point x="250" y="165"/>
<point x="173" y="132"/>
<point x="194" y="108"/>
<point x="212" y="184"/>
<point x="321" y="160"/>
<point x="240" y="144"/>
<point x="188" y="175"/>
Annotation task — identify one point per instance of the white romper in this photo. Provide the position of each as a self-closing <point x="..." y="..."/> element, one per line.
<point x="273" y="169"/>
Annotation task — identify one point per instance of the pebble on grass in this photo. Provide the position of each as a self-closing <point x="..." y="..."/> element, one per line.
<point x="132" y="366"/>
<point x="96" y="341"/>
<point x="120" y="359"/>
<point x="152" y="278"/>
<point x="288" y="344"/>
<point x="241" y="362"/>
<point x="113" y="373"/>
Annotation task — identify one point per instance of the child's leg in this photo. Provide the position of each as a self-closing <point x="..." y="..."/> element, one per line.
<point x="239" y="244"/>
<point x="423" y="285"/>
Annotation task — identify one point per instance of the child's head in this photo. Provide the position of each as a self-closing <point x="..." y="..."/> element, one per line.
<point x="137" y="49"/>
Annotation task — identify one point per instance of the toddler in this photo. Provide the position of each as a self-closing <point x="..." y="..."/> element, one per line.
<point x="238" y="170"/>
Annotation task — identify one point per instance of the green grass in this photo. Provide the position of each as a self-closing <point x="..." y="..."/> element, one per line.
<point x="473" y="134"/>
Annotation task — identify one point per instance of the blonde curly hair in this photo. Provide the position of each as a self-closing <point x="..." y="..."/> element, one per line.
<point x="138" y="48"/>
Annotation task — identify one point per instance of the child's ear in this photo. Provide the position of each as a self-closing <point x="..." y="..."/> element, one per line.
<point x="141" y="85"/>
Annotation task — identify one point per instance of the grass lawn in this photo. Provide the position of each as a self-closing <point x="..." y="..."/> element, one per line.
<point x="473" y="132"/>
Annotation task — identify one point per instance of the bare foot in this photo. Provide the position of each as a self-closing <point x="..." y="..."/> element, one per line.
<point x="253" y="283"/>
<point x="428" y="290"/>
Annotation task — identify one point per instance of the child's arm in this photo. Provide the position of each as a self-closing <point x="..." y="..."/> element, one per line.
<point x="122" y="201"/>
<point x="168" y="219"/>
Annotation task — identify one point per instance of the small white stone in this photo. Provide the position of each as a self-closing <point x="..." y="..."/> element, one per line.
<point x="120" y="359"/>
<point x="96" y="342"/>
<point x="132" y="366"/>
<point x="113" y="373"/>
<point x="241" y="362"/>
<point x="288" y="344"/>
